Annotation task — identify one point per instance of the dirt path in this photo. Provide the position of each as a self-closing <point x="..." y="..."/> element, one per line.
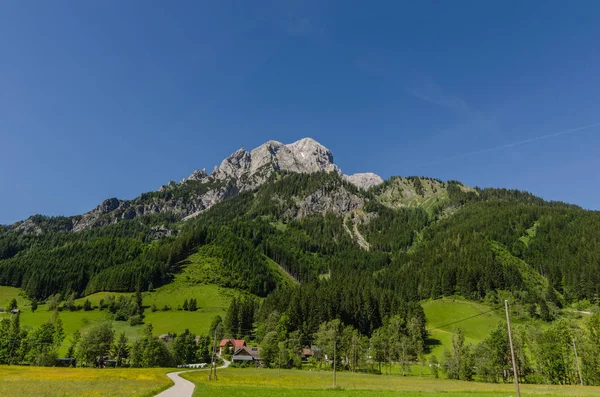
<point x="183" y="387"/>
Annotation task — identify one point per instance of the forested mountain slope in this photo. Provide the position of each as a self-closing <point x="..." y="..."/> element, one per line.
<point x="424" y="238"/>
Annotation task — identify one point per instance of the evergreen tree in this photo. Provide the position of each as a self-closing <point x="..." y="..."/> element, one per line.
<point x="74" y="342"/>
<point x="120" y="349"/>
<point x="231" y="321"/>
<point x="12" y="305"/>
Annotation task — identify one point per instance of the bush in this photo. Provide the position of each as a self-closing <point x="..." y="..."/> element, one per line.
<point x="136" y="320"/>
<point x="121" y="315"/>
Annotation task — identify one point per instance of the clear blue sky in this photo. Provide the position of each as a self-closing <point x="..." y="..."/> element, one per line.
<point x="114" y="98"/>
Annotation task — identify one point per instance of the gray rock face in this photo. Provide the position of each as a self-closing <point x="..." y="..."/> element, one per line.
<point x="339" y="202"/>
<point x="364" y="180"/>
<point x="250" y="169"/>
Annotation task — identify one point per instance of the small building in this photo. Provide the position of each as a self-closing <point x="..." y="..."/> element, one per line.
<point x="15" y="311"/>
<point x="66" y="362"/>
<point x="246" y="354"/>
<point x="306" y="354"/>
<point x="229" y="346"/>
<point x="166" y="337"/>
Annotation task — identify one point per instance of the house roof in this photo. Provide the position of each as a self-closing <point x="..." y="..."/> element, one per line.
<point x="248" y="352"/>
<point x="307" y="352"/>
<point x="234" y="342"/>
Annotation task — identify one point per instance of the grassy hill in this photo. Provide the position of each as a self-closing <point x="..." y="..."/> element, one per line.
<point x="9" y="293"/>
<point x="445" y="315"/>
<point x="212" y="300"/>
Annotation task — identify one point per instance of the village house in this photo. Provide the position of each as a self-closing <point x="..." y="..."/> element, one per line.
<point x="306" y="354"/>
<point x="229" y="346"/>
<point x="246" y="354"/>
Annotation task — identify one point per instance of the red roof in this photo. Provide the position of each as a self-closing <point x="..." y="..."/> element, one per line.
<point x="234" y="342"/>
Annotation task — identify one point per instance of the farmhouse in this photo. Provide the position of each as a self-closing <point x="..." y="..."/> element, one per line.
<point x="229" y="346"/>
<point x="246" y="354"/>
<point x="306" y="354"/>
<point x="166" y="337"/>
<point x="66" y="362"/>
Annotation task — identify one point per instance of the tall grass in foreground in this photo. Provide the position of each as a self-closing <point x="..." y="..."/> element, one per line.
<point x="49" y="382"/>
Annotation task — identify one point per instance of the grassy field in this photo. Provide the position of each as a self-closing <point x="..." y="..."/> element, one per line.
<point x="49" y="382"/>
<point x="8" y="293"/>
<point x="443" y="317"/>
<point x="442" y="314"/>
<point x="266" y="383"/>
<point x="212" y="300"/>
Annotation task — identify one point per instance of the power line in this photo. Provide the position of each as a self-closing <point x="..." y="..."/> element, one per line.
<point x="461" y="320"/>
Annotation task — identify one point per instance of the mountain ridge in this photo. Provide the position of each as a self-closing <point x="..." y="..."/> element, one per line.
<point x="243" y="170"/>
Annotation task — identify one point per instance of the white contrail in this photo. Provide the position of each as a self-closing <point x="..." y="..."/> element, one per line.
<point x="514" y="144"/>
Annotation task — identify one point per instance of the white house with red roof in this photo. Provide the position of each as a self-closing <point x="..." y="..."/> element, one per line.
<point x="229" y="346"/>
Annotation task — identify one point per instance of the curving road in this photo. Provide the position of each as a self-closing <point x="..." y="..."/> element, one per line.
<point x="183" y="387"/>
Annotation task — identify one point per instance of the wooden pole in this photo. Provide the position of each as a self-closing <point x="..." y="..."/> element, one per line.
<point x="577" y="362"/>
<point x="212" y="364"/>
<point x="512" y="350"/>
<point x="334" y="366"/>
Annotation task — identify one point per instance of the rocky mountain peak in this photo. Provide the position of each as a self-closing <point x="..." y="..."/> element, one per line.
<point x="251" y="168"/>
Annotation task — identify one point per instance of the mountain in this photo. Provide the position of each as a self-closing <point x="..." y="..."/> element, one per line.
<point x="356" y="247"/>
<point x="242" y="171"/>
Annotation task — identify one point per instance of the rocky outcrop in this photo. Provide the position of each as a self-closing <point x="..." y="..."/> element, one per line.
<point x="365" y="180"/>
<point x="339" y="201"/>
<point x="251" y="169"/>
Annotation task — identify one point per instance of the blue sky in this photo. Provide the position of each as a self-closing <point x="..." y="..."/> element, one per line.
<point x="114" y="98"/>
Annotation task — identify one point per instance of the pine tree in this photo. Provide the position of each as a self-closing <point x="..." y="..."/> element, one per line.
<point x="120" y="350"/>
<point x="34" y="305"/>
<point x="12" y="305"/>
<point x="185" y="305"/>
<point x="193" y="306"/>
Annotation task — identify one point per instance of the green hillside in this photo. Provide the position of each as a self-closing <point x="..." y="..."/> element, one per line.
<point x="445" y="315"/>
<point x="262" y="254"/>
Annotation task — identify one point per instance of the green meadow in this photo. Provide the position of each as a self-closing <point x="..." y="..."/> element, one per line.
<point x="75" y="382"/>
<point x="291" y="383"/>
<point x="447" y="314"/>
<point x="212" y="300"/>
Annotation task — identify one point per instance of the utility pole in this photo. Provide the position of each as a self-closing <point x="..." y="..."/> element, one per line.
<point x="512" y="350"/>
<point x="212" y="364"/>
<point x="334" y="374"/>
<point x="577" y="362"/>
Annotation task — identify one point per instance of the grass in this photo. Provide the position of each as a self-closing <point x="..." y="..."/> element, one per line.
<point x="8" y="293"/>
<point x="531" y="232"/>
<point x="48" y="382"/>
<point x="447" y="314"/>
<point x="212" y="300"/>
<point x="266" y="383"/>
